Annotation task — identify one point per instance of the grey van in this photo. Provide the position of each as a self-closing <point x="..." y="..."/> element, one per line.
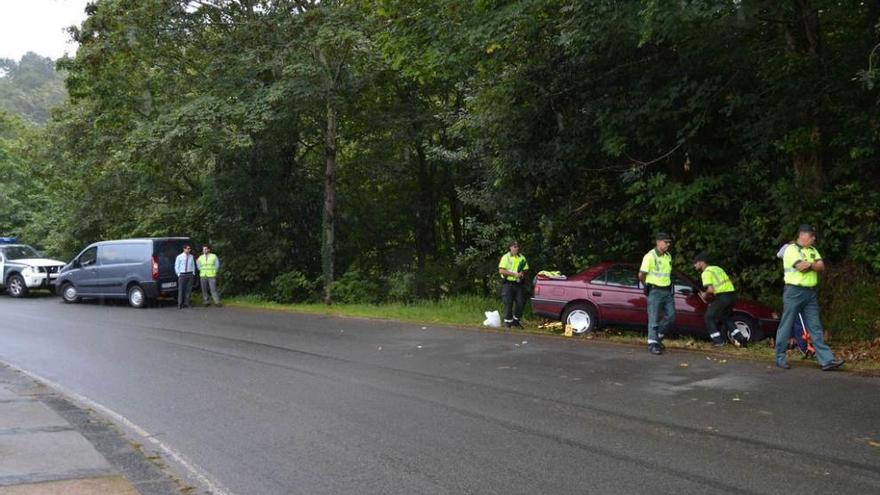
<point x="139" y="270"/>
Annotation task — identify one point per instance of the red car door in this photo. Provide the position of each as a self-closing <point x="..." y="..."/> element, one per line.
<point x="619" y="297"/>
<point x="689" y="308"/>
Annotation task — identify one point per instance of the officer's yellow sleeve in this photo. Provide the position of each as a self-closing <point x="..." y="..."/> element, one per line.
<point x="818" y="256"/>
<point x="526" y="264"/>
<point x="792" y="256"/>
<point x="503" y="262"/>
<point x="647" y="262"/>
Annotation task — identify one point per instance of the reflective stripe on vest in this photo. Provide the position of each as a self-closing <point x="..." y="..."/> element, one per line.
<point x="657" y="277"/>
<point x="722" y="281"/>
<point x="208" y="265"/>
<point x="510" y="260"/>
<point x="791" y="275"/>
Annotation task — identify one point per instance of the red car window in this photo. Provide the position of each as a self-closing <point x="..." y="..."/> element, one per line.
<point x="622" y="276"/>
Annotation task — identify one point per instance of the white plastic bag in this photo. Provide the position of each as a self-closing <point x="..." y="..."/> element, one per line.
<point x="493" y="319"/>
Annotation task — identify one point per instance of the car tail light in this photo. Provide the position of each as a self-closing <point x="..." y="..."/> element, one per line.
<point x="155" y="268"/>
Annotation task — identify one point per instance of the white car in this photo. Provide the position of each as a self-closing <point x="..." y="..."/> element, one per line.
<point x="23" y="269"/>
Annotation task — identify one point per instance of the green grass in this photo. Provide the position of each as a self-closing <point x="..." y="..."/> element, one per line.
<point x="460" y="310"/>
<point x="468" y="311"/>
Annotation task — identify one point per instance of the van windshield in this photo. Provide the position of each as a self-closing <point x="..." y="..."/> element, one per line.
<point x="19" y="252"/>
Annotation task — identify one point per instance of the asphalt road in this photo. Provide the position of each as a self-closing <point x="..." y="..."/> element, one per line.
<point x="275" y="403"/>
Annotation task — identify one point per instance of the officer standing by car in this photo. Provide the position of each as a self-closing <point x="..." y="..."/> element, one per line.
<point x="656" y="274"/>
<point x="208" y="264"/>
<point x="512" y="268"/>
<point x="716" y="284"/>
<point x="184" y="267"/>
<point x="801" y="263"/>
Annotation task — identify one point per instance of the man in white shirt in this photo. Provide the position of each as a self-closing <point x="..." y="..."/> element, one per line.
<point x="184" y="267"/>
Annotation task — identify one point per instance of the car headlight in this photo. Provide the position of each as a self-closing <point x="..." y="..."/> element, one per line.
<point x="774" y="315"/>
<point x="29" y="270"/>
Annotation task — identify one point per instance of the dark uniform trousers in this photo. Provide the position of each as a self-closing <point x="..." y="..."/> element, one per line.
<point x="513" y="292"/>
<point x="720" y="309"/>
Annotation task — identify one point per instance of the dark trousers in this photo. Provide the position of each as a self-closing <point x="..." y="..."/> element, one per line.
<point x="513" y="293"/>
<point x="184" y="288"/>
<point x="721" y="309"/>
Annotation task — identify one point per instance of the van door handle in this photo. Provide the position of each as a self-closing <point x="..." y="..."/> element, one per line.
<point x="597" y="293"/>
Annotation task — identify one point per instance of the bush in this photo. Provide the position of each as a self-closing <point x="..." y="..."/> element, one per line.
<point x="850" y="303"/>
<point x="354" y="288"/>
<point x="401" y="287"/>
<point x="292" y="287"/>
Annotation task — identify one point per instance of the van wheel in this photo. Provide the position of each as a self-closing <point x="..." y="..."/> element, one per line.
<point x="15" y="286"/>
<point x="69" y="293"/>
<point x="581" y="317"/>
<point x="136" y="296"/>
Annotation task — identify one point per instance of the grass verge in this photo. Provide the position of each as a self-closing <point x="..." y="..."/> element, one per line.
<point x="468" y="311"/>
<point x="462" y="310"/>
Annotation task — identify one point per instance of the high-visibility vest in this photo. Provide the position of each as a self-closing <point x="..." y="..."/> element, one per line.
<point x="794" y="254"/>
<point x="658" y="268"/>
<point x="718" y="279"/>
<point x="512" y="263"/>
<point x="207" y="265"/>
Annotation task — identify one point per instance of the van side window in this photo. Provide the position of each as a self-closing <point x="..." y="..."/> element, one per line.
<point x="89" y="256"/>
<point x="114" y="254"/>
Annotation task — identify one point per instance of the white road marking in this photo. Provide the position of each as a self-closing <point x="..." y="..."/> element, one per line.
<point x="199" y="474"/>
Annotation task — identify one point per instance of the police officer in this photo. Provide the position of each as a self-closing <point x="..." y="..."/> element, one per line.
<point x="208" y="264"/>
<point x="656" y="274"/>
<point x="801" y="263"/>
<point x="512" y="268"/>
<point x="716" y="283"/>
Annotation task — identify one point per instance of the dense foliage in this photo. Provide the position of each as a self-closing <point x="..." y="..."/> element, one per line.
<point x="30" y="87"/>
<point x="388" y="149"/>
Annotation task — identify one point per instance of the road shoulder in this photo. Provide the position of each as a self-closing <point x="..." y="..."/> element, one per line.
<point x="51" y="445"/>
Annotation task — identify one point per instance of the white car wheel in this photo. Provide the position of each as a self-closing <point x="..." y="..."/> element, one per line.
<point x="581" y="317"/>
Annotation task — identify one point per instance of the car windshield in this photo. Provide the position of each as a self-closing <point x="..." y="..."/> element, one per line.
<point x="19" y="252"/>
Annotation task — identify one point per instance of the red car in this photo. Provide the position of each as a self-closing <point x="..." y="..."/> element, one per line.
<point x="610" y="294"/>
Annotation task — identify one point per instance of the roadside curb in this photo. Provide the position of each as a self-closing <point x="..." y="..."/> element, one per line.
<point x="60" y="447"/>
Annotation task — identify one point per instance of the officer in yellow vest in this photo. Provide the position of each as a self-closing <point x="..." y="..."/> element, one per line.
<point x="208" y="264"/>
<point x="717" y="285"/>
<point x="512" y="268"/>
<point x="801" y="264"/>
<point x="656" y="274"/>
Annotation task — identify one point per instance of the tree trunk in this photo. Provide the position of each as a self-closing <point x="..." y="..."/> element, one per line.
<point x="425" y="210"/>
<point x="455" y="212"/>
<point x="328" y="253"/>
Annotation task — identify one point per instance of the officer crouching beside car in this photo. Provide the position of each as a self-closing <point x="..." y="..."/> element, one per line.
<point x="717" y="284"/>
<point x="656" y="274"/>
